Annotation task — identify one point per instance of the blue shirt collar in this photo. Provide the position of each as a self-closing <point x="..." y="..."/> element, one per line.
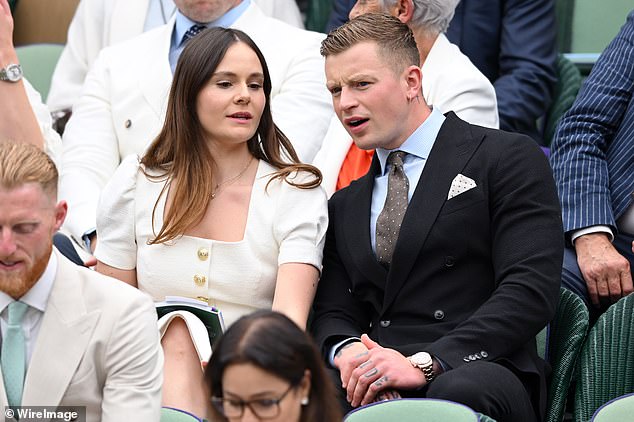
<point x="183" y="23"/>
<point x="420" y="142"/>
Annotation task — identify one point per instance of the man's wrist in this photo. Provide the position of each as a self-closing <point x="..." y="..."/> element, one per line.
<point x="338" y="346"/>
<point x="598" y="229"/>
<point x="424" y="362"/>
<point x="8" y="56"/>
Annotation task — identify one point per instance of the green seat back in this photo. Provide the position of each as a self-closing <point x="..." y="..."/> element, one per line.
<point x="596" y="23"/>
<point x="173" y="415"/>
<point x="567" y="332"/>
<point x="568" y="84"/>
<point x="410" y="410"/>
<point x="619" y="409"/>
<point x="317" y="14"/>
<point x="38" y="63"/>
<point x="585" y="27"/>
<point x="606" y="362"/>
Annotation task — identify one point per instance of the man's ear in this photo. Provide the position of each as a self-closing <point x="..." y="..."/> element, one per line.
<point x="404" y="10"/>
<point x="61" y="209"/>
<point x="413" y="77"/>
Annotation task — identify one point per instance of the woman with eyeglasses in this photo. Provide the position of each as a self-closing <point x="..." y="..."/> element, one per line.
<point x="266" y="368"/>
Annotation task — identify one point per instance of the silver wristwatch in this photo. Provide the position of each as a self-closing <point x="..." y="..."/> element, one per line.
<point x="11" y="73"/>
<point x="424" y="362"/>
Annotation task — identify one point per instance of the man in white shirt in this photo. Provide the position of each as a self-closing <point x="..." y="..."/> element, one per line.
<point x="123" y="102"/>
<point x="100" y="23"/>
<point x="101" y="332"/>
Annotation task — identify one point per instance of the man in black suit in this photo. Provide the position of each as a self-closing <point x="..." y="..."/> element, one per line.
<point x="446" y="303"/>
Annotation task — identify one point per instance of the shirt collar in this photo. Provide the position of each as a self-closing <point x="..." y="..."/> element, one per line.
<point x="183" y="23"/>
<point x="420" y="142"/>
<point x="37" y="296"/>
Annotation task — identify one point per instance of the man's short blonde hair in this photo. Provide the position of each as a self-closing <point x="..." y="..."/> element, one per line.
<point x="395" y="40"/>
<point x="24" y="163"/>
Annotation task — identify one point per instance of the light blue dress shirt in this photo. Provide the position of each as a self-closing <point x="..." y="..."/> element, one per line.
<point x="183" y="23"/>
<point x="417" y="146"/>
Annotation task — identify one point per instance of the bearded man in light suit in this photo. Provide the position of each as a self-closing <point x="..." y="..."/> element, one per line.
<point x="429" y="286"/>
<point x="84" y="339"/>
<point x="123" y="101"/>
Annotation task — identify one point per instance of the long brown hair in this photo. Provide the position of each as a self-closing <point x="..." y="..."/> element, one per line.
<point x="180" y="153"/>
<point x="272" y="342"/>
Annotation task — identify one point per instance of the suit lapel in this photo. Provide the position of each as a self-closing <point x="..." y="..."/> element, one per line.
<point x="357" y="226"/>
<point x="66" y="329"/>
<point x="127" y="19"/>
<point x="452" y="149"/>
<point x="155" y="80"/>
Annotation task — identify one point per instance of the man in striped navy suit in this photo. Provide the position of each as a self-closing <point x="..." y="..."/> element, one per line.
<point x="593" y="161"/>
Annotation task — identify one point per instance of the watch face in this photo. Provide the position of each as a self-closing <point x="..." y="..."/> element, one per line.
<point x="421" y="359"/>
<point x="14" y="72"/>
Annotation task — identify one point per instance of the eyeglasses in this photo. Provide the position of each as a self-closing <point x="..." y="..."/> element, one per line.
<point x="262" y="408"/>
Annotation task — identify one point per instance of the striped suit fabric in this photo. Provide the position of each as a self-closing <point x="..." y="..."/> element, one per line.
<point x="593" y="150"/>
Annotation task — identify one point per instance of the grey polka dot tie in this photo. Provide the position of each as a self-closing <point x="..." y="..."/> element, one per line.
<point x="389" y="222"/>
<point x="192" y="32"/>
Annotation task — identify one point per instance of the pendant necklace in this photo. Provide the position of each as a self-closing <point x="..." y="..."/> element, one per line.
<point x="228" y="182"/>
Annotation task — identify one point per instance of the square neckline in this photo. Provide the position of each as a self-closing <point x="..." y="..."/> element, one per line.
<point x="256" y="181"/>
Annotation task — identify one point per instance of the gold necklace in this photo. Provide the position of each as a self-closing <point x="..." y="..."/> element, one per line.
<point x="228" y="182"/>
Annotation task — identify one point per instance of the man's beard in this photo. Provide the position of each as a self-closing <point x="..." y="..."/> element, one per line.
<point x="16" y="284"/>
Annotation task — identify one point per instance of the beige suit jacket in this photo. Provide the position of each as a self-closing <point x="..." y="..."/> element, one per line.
<point x="98" y="347"/>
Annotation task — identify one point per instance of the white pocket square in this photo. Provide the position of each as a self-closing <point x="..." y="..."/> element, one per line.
<point x="460" y="184"/>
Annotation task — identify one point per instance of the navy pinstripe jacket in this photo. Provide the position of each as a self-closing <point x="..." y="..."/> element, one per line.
<point x="593" y="151"/>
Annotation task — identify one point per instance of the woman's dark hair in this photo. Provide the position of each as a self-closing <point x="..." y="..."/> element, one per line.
<point x="274" y="343"/>
<point x="180" y="152"/>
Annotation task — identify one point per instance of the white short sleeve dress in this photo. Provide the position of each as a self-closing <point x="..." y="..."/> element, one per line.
<point x="285" y="224"/>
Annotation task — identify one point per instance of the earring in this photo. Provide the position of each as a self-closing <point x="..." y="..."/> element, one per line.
<point x="304" y="401"/>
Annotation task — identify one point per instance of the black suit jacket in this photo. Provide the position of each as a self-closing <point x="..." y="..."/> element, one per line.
<point x="472" y="278"/>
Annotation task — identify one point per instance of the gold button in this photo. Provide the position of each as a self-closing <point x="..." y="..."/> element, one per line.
<point x="203" y="254"/>
<point x="200" y="280"/>
<point x="203" y="298"/>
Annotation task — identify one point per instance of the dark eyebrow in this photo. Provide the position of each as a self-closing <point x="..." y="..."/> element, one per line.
<point x="232" y="74"/>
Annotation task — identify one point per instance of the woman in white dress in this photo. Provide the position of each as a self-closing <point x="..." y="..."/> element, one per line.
<point x="219" y="208"/>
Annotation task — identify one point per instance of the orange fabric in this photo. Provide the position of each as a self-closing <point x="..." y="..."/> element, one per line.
<point x="356" y="164"/>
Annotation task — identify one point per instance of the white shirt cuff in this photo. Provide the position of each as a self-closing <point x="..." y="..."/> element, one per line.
<point x="592" y="229"/>
<point x="336" y="347"/>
